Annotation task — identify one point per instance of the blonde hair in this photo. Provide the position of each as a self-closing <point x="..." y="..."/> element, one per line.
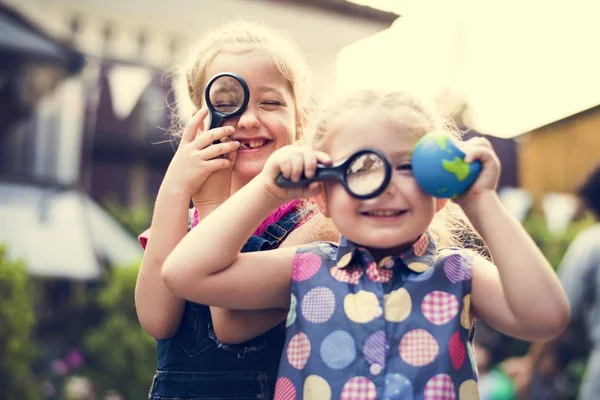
<point x="450" y="226"/>
<point x="239" y="36"/>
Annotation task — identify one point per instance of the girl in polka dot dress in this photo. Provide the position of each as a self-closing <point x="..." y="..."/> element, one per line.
<point x="389" y="312"/>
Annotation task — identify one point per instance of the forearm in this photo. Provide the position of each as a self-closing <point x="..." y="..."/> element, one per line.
<point x="216" y="241"/>
<point x="237" y="326"/>
<point x="532" y="289"/>
<point x="159" y="310"/>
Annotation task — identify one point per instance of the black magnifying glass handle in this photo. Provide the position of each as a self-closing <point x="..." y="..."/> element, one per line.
<point x="323" y="172"/>
<point x="226" y="96"/>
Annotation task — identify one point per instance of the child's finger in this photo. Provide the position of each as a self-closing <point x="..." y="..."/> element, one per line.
<point x="297" y="166"/>
<point x="190" y="130"/>
<point x="481" y="153"/>
<point x="323" y="157"/>
<point x="217" y="164"/>
<point x="213" y="135"/>
<point x="285" y="166"/>
<point x="310" y="164"/>
<point x="220" y="149"/>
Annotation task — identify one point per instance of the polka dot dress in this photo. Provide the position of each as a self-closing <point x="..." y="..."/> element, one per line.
<point x="358" y="329"/>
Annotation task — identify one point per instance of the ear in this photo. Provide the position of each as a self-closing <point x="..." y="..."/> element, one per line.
<point x="321" y="200"/>
<point x="440" y="203"/>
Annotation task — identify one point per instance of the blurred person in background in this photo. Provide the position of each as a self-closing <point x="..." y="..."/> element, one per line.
<point x="538" y="374"/>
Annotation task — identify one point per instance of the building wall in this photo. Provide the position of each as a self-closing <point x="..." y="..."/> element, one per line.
<point x="557" y="157"/>
<point x="128" y="156"/>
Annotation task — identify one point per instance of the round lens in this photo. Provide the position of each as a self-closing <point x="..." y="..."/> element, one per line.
<point x="226" y="95"/>
<point x="366" y="174"/>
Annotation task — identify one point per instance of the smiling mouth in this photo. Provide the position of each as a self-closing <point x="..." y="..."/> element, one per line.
<point x="383" y="213"/>
<point x="247" y="144"/>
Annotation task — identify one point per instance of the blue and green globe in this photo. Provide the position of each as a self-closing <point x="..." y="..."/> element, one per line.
<point x="439" y="168"/>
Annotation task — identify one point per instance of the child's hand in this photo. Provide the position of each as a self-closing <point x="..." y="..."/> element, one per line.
<point x="480" y="149"/>
<point x="293" y="162"/>
<point x="197" y="158"/>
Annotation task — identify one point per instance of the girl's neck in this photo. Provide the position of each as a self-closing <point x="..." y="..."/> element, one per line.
<point x="379" y="254"/>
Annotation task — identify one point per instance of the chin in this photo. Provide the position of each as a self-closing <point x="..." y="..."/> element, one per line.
<point x="384" y="241"/>
<point x="248" y="169"/>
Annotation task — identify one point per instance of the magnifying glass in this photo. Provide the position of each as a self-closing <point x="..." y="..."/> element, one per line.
<point x="226" y="97"/>
<point x="364" y="175"/>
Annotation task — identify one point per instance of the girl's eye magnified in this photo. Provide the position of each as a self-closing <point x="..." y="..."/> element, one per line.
<point x="404" y="167"/>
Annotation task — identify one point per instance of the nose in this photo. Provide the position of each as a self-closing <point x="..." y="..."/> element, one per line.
<point x="248" y="120"/>
<point x="391" y="189"/>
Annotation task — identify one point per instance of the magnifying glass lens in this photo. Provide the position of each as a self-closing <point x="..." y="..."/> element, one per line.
<point x="226" y="95"/>
<point x="366" y="174"/>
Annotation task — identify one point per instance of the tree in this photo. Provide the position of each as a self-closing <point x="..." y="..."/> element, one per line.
<point x="121" y="356"/>
<point x="17" y="322"/>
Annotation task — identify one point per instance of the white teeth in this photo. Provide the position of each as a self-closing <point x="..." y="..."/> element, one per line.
<point x="385" y="213"/>
<point x="252" y="143"/>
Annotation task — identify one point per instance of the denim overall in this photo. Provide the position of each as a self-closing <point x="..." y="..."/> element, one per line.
<point x="194" y="364"/>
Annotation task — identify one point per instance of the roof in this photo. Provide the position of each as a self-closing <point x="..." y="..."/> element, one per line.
<point x="20" y="37"/>
<point x="61" y="232"/>
<point x="346" y="7"/>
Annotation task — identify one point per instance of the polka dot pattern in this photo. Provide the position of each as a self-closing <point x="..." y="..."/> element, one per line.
<point x="440" y="387"/>
<point x="298" y="350"/>
<point x="359" y="388"/>
<point x="439" y="307"/>
<point x="305" y="266"/>
<point x="468" y="390"/>
<point x="457" y="268"/>
<point x="387" y="263"/>
<point x="398" y="305"/>
<point x="418" y="348"/>
<point x="338" y="350"/>
<point x="316" y="388"/>
<point x="418" y="266"/>
<point x="345" y="260"/>
<point x="347" y="275"/>
<point x="284" y="389"/>
<point x="318" y="305"/>
<point x="397" y="387"/>
<point x="466" y="320"/>
<point x="375" y="348"/>
<point x="349" y="311"/>
<point x="362" y="307"/>
<point x="377" y="274"/>
<point x="456" y="350"/>
<point x="420" y="246"/>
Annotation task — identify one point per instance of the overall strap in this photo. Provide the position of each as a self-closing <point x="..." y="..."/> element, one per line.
<point x="275" y="233"/>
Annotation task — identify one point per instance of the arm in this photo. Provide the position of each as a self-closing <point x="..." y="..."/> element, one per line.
<point x="207" y="266"/>
<point x="520" y="295"/>
<point x="159" y="311"/>
<point x="237" y="326"/>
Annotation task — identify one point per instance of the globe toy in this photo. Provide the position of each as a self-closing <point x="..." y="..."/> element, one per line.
<point x="439" y="168"/>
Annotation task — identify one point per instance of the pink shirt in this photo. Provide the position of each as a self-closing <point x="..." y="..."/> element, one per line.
<point x="282" y="211"/>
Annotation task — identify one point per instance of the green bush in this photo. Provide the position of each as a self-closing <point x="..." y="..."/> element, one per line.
<point x="134" y="219"/>
<point x="554" y="246"/>
<point x="121" y="356"/>
<point x="17" y="321"/>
